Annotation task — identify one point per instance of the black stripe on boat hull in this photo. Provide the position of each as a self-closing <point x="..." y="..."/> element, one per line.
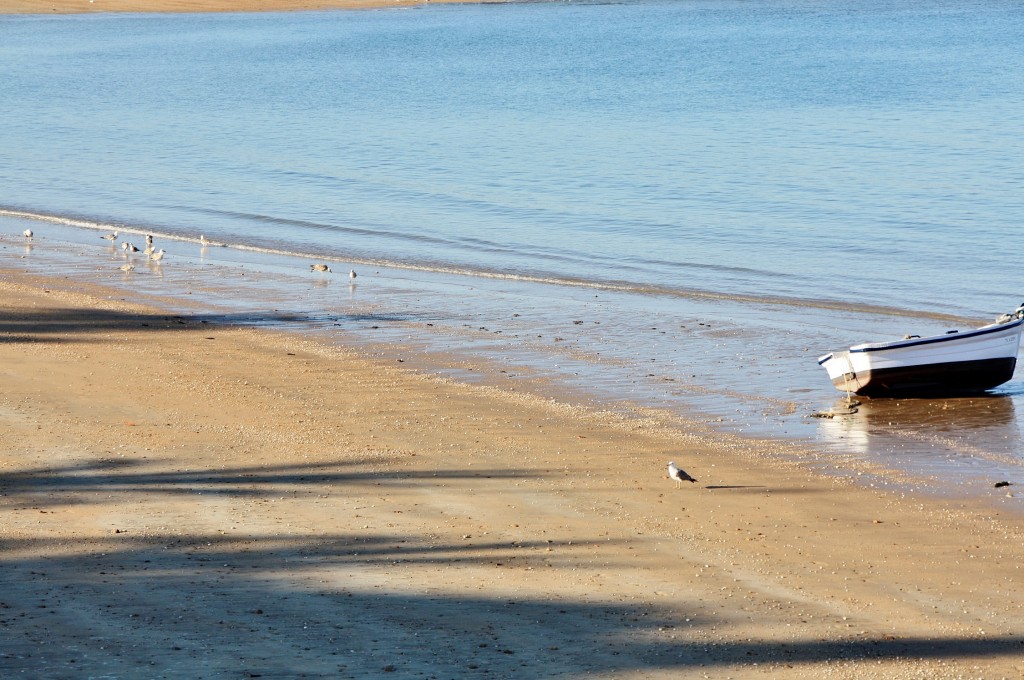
<point x="951" y="336"/>
<point x="934" y="379"/>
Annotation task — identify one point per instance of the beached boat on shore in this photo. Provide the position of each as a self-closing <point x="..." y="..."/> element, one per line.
<point x="969" y="361"/>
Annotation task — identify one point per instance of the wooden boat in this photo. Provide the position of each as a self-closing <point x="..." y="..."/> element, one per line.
<point x="956" y="362"/>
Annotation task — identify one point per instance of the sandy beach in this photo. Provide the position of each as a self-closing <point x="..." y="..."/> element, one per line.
<point x="187" y="499"/>
<point x="81" y="6"/>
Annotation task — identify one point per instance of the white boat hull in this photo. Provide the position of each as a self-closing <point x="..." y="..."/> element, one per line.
<point x="971" y="361"/>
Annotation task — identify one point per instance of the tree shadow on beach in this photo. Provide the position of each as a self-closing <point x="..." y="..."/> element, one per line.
<point x="66" y="325"/>
<point x="294" y="604"/>
<point x="99" y="478"/>
<point x="338" y="598"/>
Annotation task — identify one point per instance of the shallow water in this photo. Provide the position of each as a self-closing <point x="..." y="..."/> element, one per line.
<point x="673" y="205"/>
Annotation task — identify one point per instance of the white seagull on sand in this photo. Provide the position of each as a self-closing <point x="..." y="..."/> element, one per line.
<point x="157" y="256"/>
<point x="128" y="247"/>
<point x="679" y="474"/>
<point x="352" y="274"/>
<point x="109" y="237"/>
<point x="150" y="249"/>
<point x="27" y="233"/>
<point x="127" y="268"/>
<point x="319" y="268"/>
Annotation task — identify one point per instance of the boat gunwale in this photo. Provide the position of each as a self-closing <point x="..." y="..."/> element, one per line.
<point x="948" y="337"/>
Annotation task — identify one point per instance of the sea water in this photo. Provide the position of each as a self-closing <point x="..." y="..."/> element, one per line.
<point x="671" y="205"/>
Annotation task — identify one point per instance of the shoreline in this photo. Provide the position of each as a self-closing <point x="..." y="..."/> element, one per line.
<point x="201" y="6"/>
<point x="253" y="499"/>
<point x="561" y="348"/>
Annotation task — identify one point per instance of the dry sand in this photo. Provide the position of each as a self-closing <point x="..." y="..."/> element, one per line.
<point x="78" y="6"/>
<point x="181" y="499"/>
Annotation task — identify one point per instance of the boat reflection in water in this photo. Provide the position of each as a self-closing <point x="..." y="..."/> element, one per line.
<point x="979" y="435"/>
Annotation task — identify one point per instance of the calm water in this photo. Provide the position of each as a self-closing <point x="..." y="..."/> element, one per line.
<point x="669" y="204"/>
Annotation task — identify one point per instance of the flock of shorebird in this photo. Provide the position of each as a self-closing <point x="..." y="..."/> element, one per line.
<point x="129" y="249"/>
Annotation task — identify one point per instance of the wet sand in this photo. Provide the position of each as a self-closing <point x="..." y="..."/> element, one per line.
<point x="186" y="498"/>
<point x="80" y="6"/>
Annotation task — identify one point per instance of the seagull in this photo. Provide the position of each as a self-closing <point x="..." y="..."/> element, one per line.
<point x="202" y="241"/>
<point x="27" y="233"/>
<point x="352" y="274"/>
<point x="109" y="237"/>
<point x="150" y="249"/>
<point x="128" y="247"/>
<point x="679" y="474"/>
<point x="127" y="268"/>
<point x="149" y="239"/>
<point x="157" y="256"/>
<point x="319" y="268"/>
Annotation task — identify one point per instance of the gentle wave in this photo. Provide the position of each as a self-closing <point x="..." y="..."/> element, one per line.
<point x="477" y="244"/>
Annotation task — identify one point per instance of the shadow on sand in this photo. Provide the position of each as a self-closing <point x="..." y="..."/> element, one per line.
<point x="346" y="602"/>
<point x="64" y="325"/>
